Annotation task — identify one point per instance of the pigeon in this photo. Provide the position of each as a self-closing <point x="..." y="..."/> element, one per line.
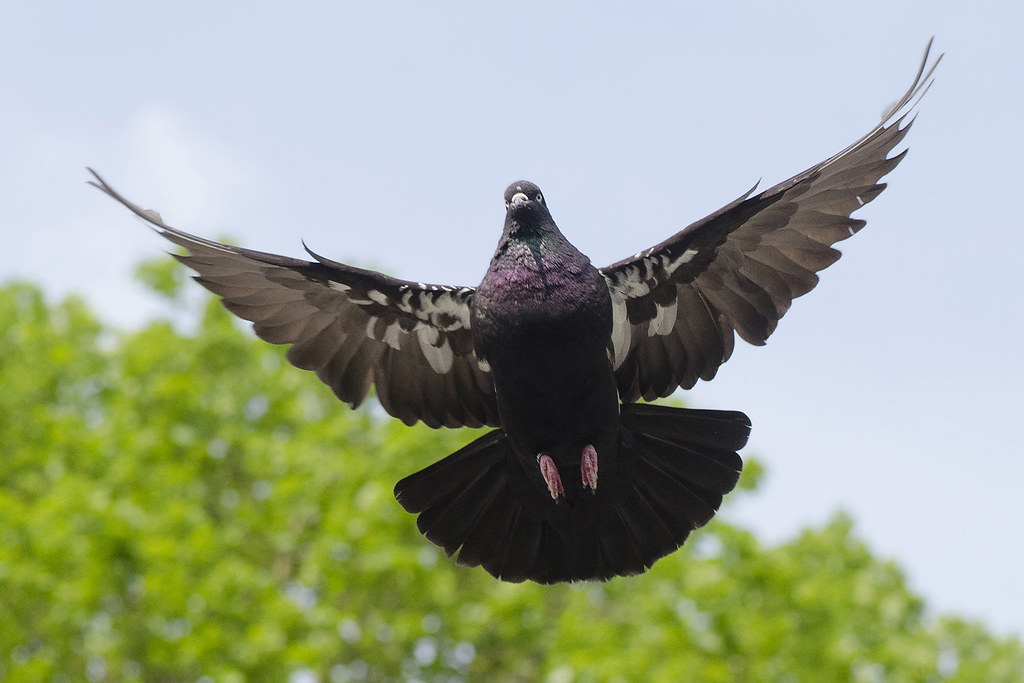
<point x="582" y="477"/>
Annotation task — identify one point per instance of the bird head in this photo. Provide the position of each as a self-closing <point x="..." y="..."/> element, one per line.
<point x="524" y="203"/>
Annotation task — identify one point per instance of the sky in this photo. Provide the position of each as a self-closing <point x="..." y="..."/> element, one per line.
<point x="384" y="134"/>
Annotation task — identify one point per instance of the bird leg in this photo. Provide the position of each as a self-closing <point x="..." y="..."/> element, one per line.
<point x="550" y="474"/>
<point x="588" y="467"/>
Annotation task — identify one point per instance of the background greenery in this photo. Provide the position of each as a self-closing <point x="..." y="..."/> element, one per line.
<point x="188" y="507"/>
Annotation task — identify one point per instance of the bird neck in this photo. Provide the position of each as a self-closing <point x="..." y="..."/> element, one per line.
<point x="533" y="233"/>
<point x="535" y="255"/>
<point x="539" y="239"/>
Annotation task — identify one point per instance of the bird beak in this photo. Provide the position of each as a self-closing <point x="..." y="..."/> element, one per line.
<point x="518" y="199"/>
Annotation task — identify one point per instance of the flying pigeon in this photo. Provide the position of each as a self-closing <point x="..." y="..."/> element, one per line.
<point x="578" y="480"/>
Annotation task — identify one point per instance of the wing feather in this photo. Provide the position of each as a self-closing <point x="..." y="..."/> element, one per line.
<point x="678" y="305"/>
<point x="353" y="327"/>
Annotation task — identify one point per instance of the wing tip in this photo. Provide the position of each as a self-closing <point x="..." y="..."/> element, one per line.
<point x="919" y="87"/>
<point x="151" y="216"/>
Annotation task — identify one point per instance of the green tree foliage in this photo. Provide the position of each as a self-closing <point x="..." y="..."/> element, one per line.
<point x="190" y="508"/>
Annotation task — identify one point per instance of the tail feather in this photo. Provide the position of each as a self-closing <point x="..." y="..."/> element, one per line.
<point x="676" y="465"/>
<point x="717" y="430"/>
<point x="697" y="465"/>
<point x="491" y="535"/>
<point x="638" y="547"/>
<point x="649" y="527"/>
<point x="677" y="508"/>
<point x="455" y="494"/>
<point x="523" y="556"/>
<point x="463" y="513"/>
<point x="452" y="474"/>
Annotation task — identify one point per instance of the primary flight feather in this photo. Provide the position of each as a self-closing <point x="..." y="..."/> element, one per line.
<point x="578" y="481"/>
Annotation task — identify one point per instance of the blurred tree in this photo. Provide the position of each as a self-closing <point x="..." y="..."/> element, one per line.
<point x="191" y="508"/>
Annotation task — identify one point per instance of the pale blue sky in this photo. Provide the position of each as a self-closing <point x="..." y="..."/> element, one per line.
<point x="384" y="134"/>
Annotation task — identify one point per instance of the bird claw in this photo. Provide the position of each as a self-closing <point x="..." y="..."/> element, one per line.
<point x="551" y="476"/>
<point x="588" y="467"/>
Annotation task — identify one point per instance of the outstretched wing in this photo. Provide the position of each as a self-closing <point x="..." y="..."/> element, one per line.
<point x="353" y="327"/>
<point x="677" y="305"/>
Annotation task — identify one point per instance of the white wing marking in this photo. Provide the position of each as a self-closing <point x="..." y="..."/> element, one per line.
<point x="664" y="320"/>
<point x="685" y="257"/>
<point x="393" y="336"/>
<point x="439" y="357"/>
<point x="621" y="329"/>
<point x="428" y="336"/>
<point x="438" y="309"/>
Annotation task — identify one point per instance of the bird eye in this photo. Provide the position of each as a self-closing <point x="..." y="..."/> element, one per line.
<point x="540" y="198"/>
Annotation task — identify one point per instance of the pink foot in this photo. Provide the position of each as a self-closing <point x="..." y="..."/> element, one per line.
<point x="550" y="474"/>
<point x="588" y="467"/>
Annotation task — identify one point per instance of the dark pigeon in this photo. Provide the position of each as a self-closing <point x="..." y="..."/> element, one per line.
<point x="579" y="481"/>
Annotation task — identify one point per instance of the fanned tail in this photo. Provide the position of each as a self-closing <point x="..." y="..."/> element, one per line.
<point x="674" y="467"/>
